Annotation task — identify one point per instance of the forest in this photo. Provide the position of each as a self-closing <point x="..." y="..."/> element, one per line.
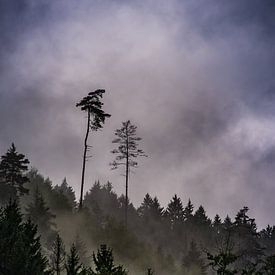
<point x="44" y="229"/>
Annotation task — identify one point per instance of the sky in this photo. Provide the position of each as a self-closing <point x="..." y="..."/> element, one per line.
<point x="195" y="77"/>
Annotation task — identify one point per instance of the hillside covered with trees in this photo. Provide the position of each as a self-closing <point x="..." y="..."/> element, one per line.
<point x="43" y="231"/>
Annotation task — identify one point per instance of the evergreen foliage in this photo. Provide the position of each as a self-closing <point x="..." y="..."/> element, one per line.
<point x="20" y="248"/>
<point x="57" y="257"/>
<point x="73" y="265"/>
<point x="104" y="263"/>
<point x="13" y="167"/>
<point x="126" y="153"/>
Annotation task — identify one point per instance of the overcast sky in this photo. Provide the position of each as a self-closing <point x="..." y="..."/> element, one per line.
<point x="197" y="78"/>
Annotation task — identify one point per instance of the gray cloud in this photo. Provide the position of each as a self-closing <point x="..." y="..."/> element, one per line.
<point x="196" y="77"/>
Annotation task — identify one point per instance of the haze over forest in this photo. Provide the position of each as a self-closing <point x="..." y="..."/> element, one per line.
<point x="196" y="77"/>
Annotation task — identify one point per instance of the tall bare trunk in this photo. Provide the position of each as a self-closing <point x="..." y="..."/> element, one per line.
<point x="127" y="179"/>
<point x="84" y="161"/>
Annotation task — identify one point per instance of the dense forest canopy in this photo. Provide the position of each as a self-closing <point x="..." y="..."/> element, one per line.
<point x="45" y="225"/>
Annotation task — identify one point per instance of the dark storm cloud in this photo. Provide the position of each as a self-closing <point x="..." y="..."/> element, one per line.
<point x="196" y="77"/>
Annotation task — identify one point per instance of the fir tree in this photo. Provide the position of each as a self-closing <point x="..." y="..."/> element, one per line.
<point x="73" y="265"/>
<point x="174" y="212"/>
<point x="188" y="211"/>
<point x="57" y="258"/>
<point x="104" y="263"/>
<point x="12" y="172"/>
<point x="20" y="249"/>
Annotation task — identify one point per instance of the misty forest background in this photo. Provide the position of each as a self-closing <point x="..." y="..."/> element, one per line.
<point x="44" y="229"/>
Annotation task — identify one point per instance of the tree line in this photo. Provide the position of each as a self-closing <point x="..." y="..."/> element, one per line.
<point x="38" y="219"/>
<point x="45" y="230"/>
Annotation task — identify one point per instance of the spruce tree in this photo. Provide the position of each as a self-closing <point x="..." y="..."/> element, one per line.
<point x="57" y="257"/>
<point x="13" y="167"/>
<point x="73" y="265"/>
<point x="188" y="211"/>
<point x="20" y="248"/>
<point x="174" y="212"/>
<point x="104" y="263"/>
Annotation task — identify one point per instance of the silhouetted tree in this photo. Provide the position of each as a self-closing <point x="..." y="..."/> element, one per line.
<point x="96" y="117"/>
<point x="104" y="263"/>
<point x="246" y="239"/>
<point x="150" y="209"/>
<point x="73" y="265"/>
<point x="127" y="152"/>
<point x="188" y="211"/>
<point x="222" y="261"/>
<point x="68" y="192"/>
<point x="12" y="171"/>
<point x="150" y="271"/>
<point x="20" y="249"/>
<point x="174" y="212"/>
<point x="57" y="257"/>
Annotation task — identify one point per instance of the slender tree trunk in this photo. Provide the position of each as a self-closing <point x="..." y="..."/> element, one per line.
<point x="84" y="161"/>
<point x="127" y="180"/>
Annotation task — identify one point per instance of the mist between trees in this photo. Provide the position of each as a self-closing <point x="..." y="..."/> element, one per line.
<point x="45" y="230"/>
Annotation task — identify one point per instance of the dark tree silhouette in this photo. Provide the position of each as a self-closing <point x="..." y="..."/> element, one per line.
<point x="20" y="249"/>
<point x="174" y="212"/>
<point x="104" y="263"/>
<point x="57" y="258"/>
<point x="222" y="261"/>
<point x="73" y="265"/>
<point x="126" y="154"/>
<point x="12" y="168"/>
<point x="96" y="117"/>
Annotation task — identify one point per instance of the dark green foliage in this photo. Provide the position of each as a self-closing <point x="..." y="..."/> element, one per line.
<point x="20" y="249"/>
<point x="67" y="191"/>
<point x="73" y="265"/>
<point x="57" y="257"/>
<point x="150" y="209"/>
<point x="246" y="239"/>
<point x="12" y="172"/>
<point x="93" y="105"/>
<point x="222" y="262"/>
<point x="269" y="265"/>
<point x="188" y="211"/>
<point x="104" y="263"/>
<point x="103" y="197"/>
<point x="193" y="261"/>
<point x="174" y="212"/>
<point x="149" y="271"/>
